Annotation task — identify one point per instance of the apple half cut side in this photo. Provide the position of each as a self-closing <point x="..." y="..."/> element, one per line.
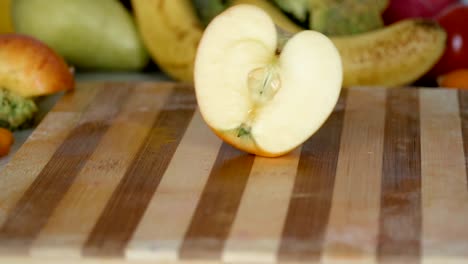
<point x="260" y="90"/>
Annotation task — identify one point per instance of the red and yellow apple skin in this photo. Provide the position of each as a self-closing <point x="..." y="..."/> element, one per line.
<point x="30" y="68"/>
<point x="398" y="10"/>
<point x="454" y="21"/>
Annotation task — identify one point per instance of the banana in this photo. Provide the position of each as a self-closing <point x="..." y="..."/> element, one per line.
<point x="395" y="55"/>
<point x="6" y="21"/>
<point x="170" y="30"/>
<point x="392" y="56"/>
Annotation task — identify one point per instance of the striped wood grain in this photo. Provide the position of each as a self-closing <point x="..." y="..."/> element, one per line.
<point x="352" y="229"/>
<point x="218" y="204"/>
<point x="262" y="211"/>
<point x="309" y="207"/>
<point x="128" y="202"/>
<point x="444" y="192"/>
<point x="78" y="211"/>
<point x="383" y="181"/>
<point x="19" y="173"/>
<point x="400" y="203"/>
<point x="162" y="227"/>
<point x="463" y="109"/>
<point x="32" y="210"/>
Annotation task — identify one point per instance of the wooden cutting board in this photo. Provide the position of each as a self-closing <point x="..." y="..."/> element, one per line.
<point x="129" y="172"/>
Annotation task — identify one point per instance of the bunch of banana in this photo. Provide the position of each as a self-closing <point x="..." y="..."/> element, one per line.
<point x="394" y="55"/>
<point x="6" y="25"/>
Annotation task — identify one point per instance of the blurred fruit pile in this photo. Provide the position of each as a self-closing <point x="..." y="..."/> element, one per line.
<point x="372" y="53"/>
<point x="382" y="42"/>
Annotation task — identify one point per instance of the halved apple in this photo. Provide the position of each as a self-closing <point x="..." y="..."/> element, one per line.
<point x="261" y="90"/>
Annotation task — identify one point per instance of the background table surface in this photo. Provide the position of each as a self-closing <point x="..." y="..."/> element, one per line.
<point x="46" y="104"/>
<point x="129" y="172"/>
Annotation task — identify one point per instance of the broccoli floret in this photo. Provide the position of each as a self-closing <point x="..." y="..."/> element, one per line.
<point x="346" y="17"/>
<point x="16" y="112"/>
<point x="298" y="8"/>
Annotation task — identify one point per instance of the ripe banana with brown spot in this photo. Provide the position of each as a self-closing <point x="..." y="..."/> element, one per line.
<point x="393" y="56"/>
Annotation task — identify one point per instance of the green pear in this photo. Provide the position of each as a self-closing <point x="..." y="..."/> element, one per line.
<point x="89" y="34"/>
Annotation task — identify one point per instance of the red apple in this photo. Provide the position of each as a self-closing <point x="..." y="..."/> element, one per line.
<point x="454" y="20"/>
<point x="30" y="68"/>
<point x="401" y="9"/>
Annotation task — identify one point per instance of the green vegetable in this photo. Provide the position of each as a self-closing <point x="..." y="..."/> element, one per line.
<point x="208" y="9"/>
<point x="346" y="17"/>
<point x="299" y="9"/>
<point x="331" y="17"/>
<point x="16" y="112"/>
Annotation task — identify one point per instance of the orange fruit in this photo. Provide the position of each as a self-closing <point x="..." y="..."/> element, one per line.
<point x="6" y="140"/>
<point x="454" y="79"/>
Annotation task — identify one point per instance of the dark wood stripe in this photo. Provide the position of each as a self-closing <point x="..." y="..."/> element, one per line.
<point x="401" y="212"/>
<point x="128" y="202"/>
<point x="463" y="104"/>
<point x="309" y="207"/>
<point x="218" y="205"/>
<point x="32" y="211"/>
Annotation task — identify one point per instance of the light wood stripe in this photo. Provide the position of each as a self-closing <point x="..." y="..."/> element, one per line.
<point x="75" y="216"/>
<point x="127" y="204"/>
<point x="161" y="230"/>
<point x="463" y="104"/>
<point x="201" y="200"/>
<point x="256" y="231"/>
<point x="400" y="214"/>
<point x="445" y="197"/>
<point x="218" y="206"/>
<point x="303" y="233"/>
<point x="27" y="163"/>
<point x="354" y="217"/>
<point x="78" y="99"/>
<point x="37" y="203"/>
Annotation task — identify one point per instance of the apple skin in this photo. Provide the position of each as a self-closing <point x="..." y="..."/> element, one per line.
<point x="454" y="20"/>
<point x="247" y="145"/>
<point x="30" y="68"/>
<point x="401" y="9"/>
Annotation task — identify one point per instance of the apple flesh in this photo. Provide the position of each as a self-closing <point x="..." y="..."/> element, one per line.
<point x="261" y="90"/>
